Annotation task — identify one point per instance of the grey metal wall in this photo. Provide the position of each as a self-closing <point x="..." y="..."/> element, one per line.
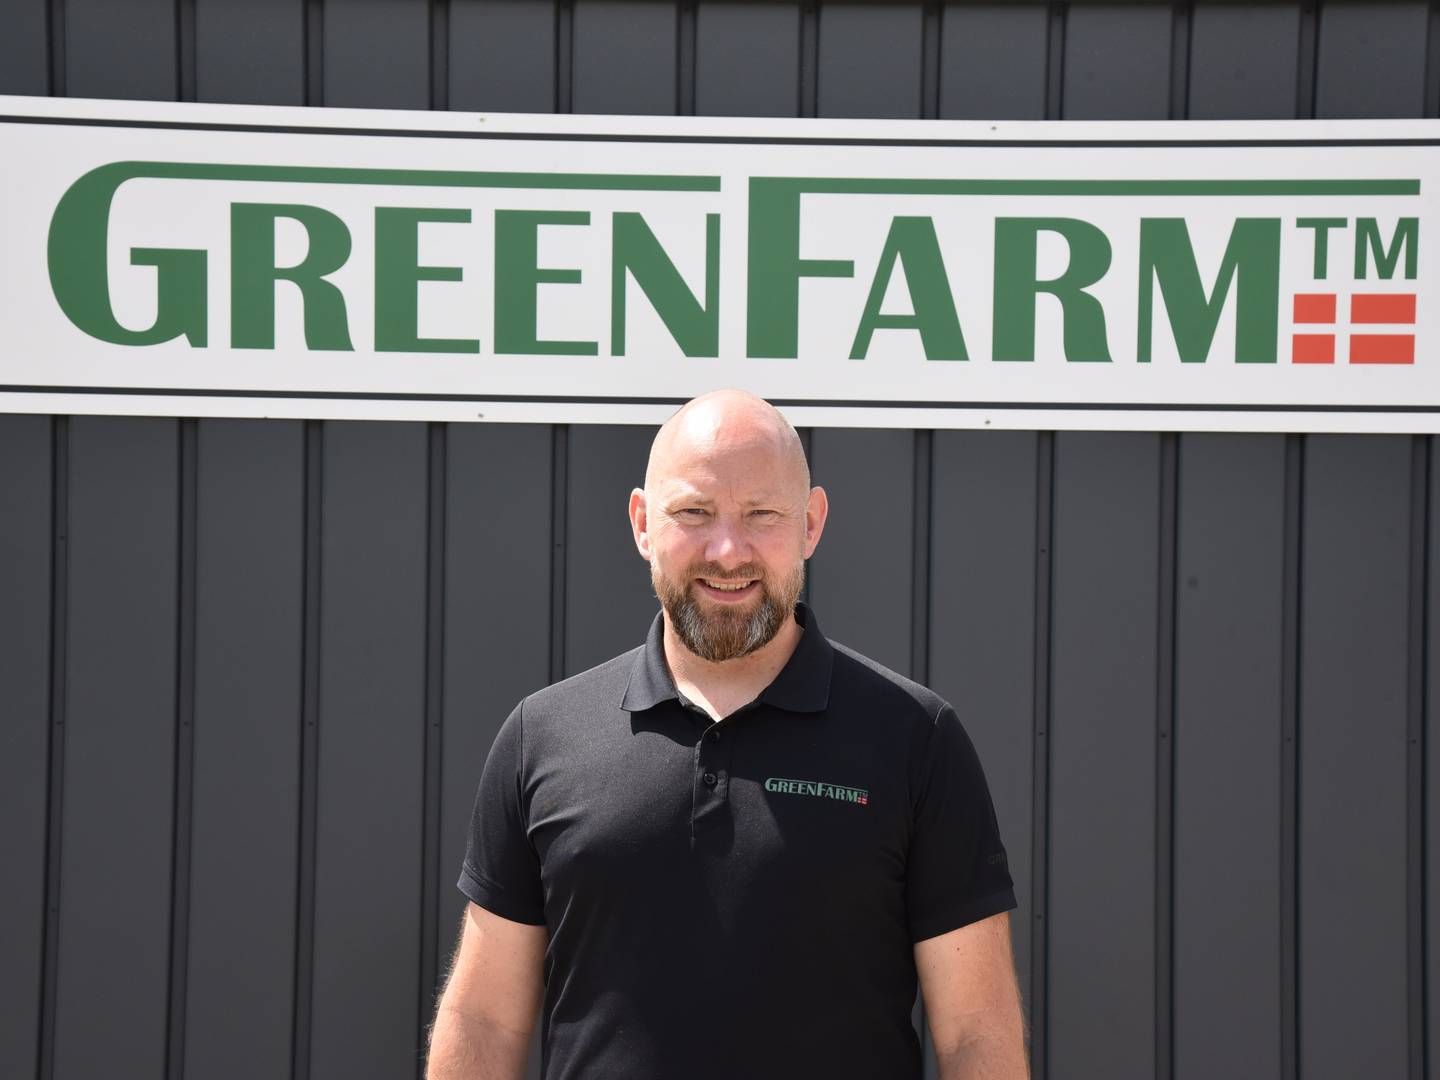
<point x="249" y="669"/>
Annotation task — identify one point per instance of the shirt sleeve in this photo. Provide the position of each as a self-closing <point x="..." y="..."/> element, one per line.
<point x="501" y="871"/>
<point x="956" y="872"/>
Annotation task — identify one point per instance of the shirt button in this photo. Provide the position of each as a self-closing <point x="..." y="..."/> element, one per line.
<point x="709" y="779"/>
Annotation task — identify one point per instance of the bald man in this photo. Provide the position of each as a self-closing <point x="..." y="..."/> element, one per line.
<point x="736" y="850"/>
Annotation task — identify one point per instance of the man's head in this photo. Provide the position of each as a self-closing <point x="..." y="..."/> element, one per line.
<point x="726" y="519"/>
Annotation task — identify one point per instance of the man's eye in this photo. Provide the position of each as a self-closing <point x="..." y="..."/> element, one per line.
<point x="693" y="512"/>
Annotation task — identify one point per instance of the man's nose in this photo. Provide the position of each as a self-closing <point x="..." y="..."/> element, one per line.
<point x="727" y="544"/>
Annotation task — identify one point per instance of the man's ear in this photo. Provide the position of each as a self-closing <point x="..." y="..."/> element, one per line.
<point x="640" y="523"/>
<point x="817" y="509"/>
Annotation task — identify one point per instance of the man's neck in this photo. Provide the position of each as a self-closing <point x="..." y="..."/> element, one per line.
<point x="721" y="688"/>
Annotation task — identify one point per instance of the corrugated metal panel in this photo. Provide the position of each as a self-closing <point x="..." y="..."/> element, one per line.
<point x="24" y="48"/>
<point x="625" y="57"/>
<point x="371" y="727"/>
<point x="120" y="49"/>
<point x="376" y="55"/>
<point x="607" y="597"/>
<point x="1358" y="41"/>
<point x="1117" y="62"/>
<point x="1228" y="747"/>
<point x="502" y="55"/>
<point x="249" y="647"/>
<point x="252" y="53"/>
<point x="25" y="556"/>
<point x="1243" y="61"/>
<point x="114" y="886"/>
<point x="868" y="477"/>
<point x="1354" y="613"/>
<point x="1102" y="847"/>
<point x="983" y="566"/>
<point x="994" y="59"/>
<point x="498" y="554"/>
<point x="1196" y="666"/>
<point x="747" y="60"/>
<point x="870" y="60"/>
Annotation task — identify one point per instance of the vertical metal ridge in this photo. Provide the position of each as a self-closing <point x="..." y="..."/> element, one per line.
<point x="314" y="52"/>
<point x="55" y="35"/>
<point x="1431" y="104"/>
<point x="1165" y="736"/>
<point x="564" y="56"/>
<point x="1417" y="690"/>
<point x="1290" y="758"/>
<point x="1308" y="61"/>
<point x="440" y="55"/>
<point x="930" y="26"/>
<point x="55" y="805"/>
<point x="920" y="557"/>
<point x="183" y="799"/>
<point x="1040" y="790"/>
<point x="309" y="750"/>
<point x="1055" y="62"/>
<point x="1180" y="36"/>
<point x="559" y="507"/>
<point x="809" y="91"/>
<point x="437" y="486"/>
<point x="1423" y="751"/>
<point x="186" y="79"/>
<point x="686" y="18"/>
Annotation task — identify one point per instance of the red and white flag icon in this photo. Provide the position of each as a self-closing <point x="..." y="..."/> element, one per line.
<point x="1365" y="346"/>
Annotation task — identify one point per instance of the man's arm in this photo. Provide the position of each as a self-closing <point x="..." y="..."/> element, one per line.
<point x="972" y="1003"/>
<point x="487" y="1013"/>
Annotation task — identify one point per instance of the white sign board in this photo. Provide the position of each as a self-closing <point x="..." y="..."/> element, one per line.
<point x="208" y="260"/>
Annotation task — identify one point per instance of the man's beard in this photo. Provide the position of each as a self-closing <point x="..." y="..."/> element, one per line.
<point x="727" y="632"/>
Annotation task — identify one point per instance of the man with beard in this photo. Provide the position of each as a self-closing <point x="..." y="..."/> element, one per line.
<point x="735" y="850"/>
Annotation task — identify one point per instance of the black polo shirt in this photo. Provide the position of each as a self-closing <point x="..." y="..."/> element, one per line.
<point x="734" y="899"/>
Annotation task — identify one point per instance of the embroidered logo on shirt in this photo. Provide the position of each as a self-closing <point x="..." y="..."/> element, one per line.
<point x="819" y="788"/>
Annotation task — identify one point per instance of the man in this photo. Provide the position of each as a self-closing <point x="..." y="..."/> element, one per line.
<point x="731" y="851"/>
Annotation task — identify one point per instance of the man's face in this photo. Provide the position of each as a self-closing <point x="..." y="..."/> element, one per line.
<point x="727" y="526"/>
<point x="724" y="630"/>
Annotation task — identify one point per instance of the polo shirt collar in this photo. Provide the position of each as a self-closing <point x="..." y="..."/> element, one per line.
<point x="803" y="684"/>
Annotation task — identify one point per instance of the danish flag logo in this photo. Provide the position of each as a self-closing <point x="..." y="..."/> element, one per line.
<point x="1379" y="315"/>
